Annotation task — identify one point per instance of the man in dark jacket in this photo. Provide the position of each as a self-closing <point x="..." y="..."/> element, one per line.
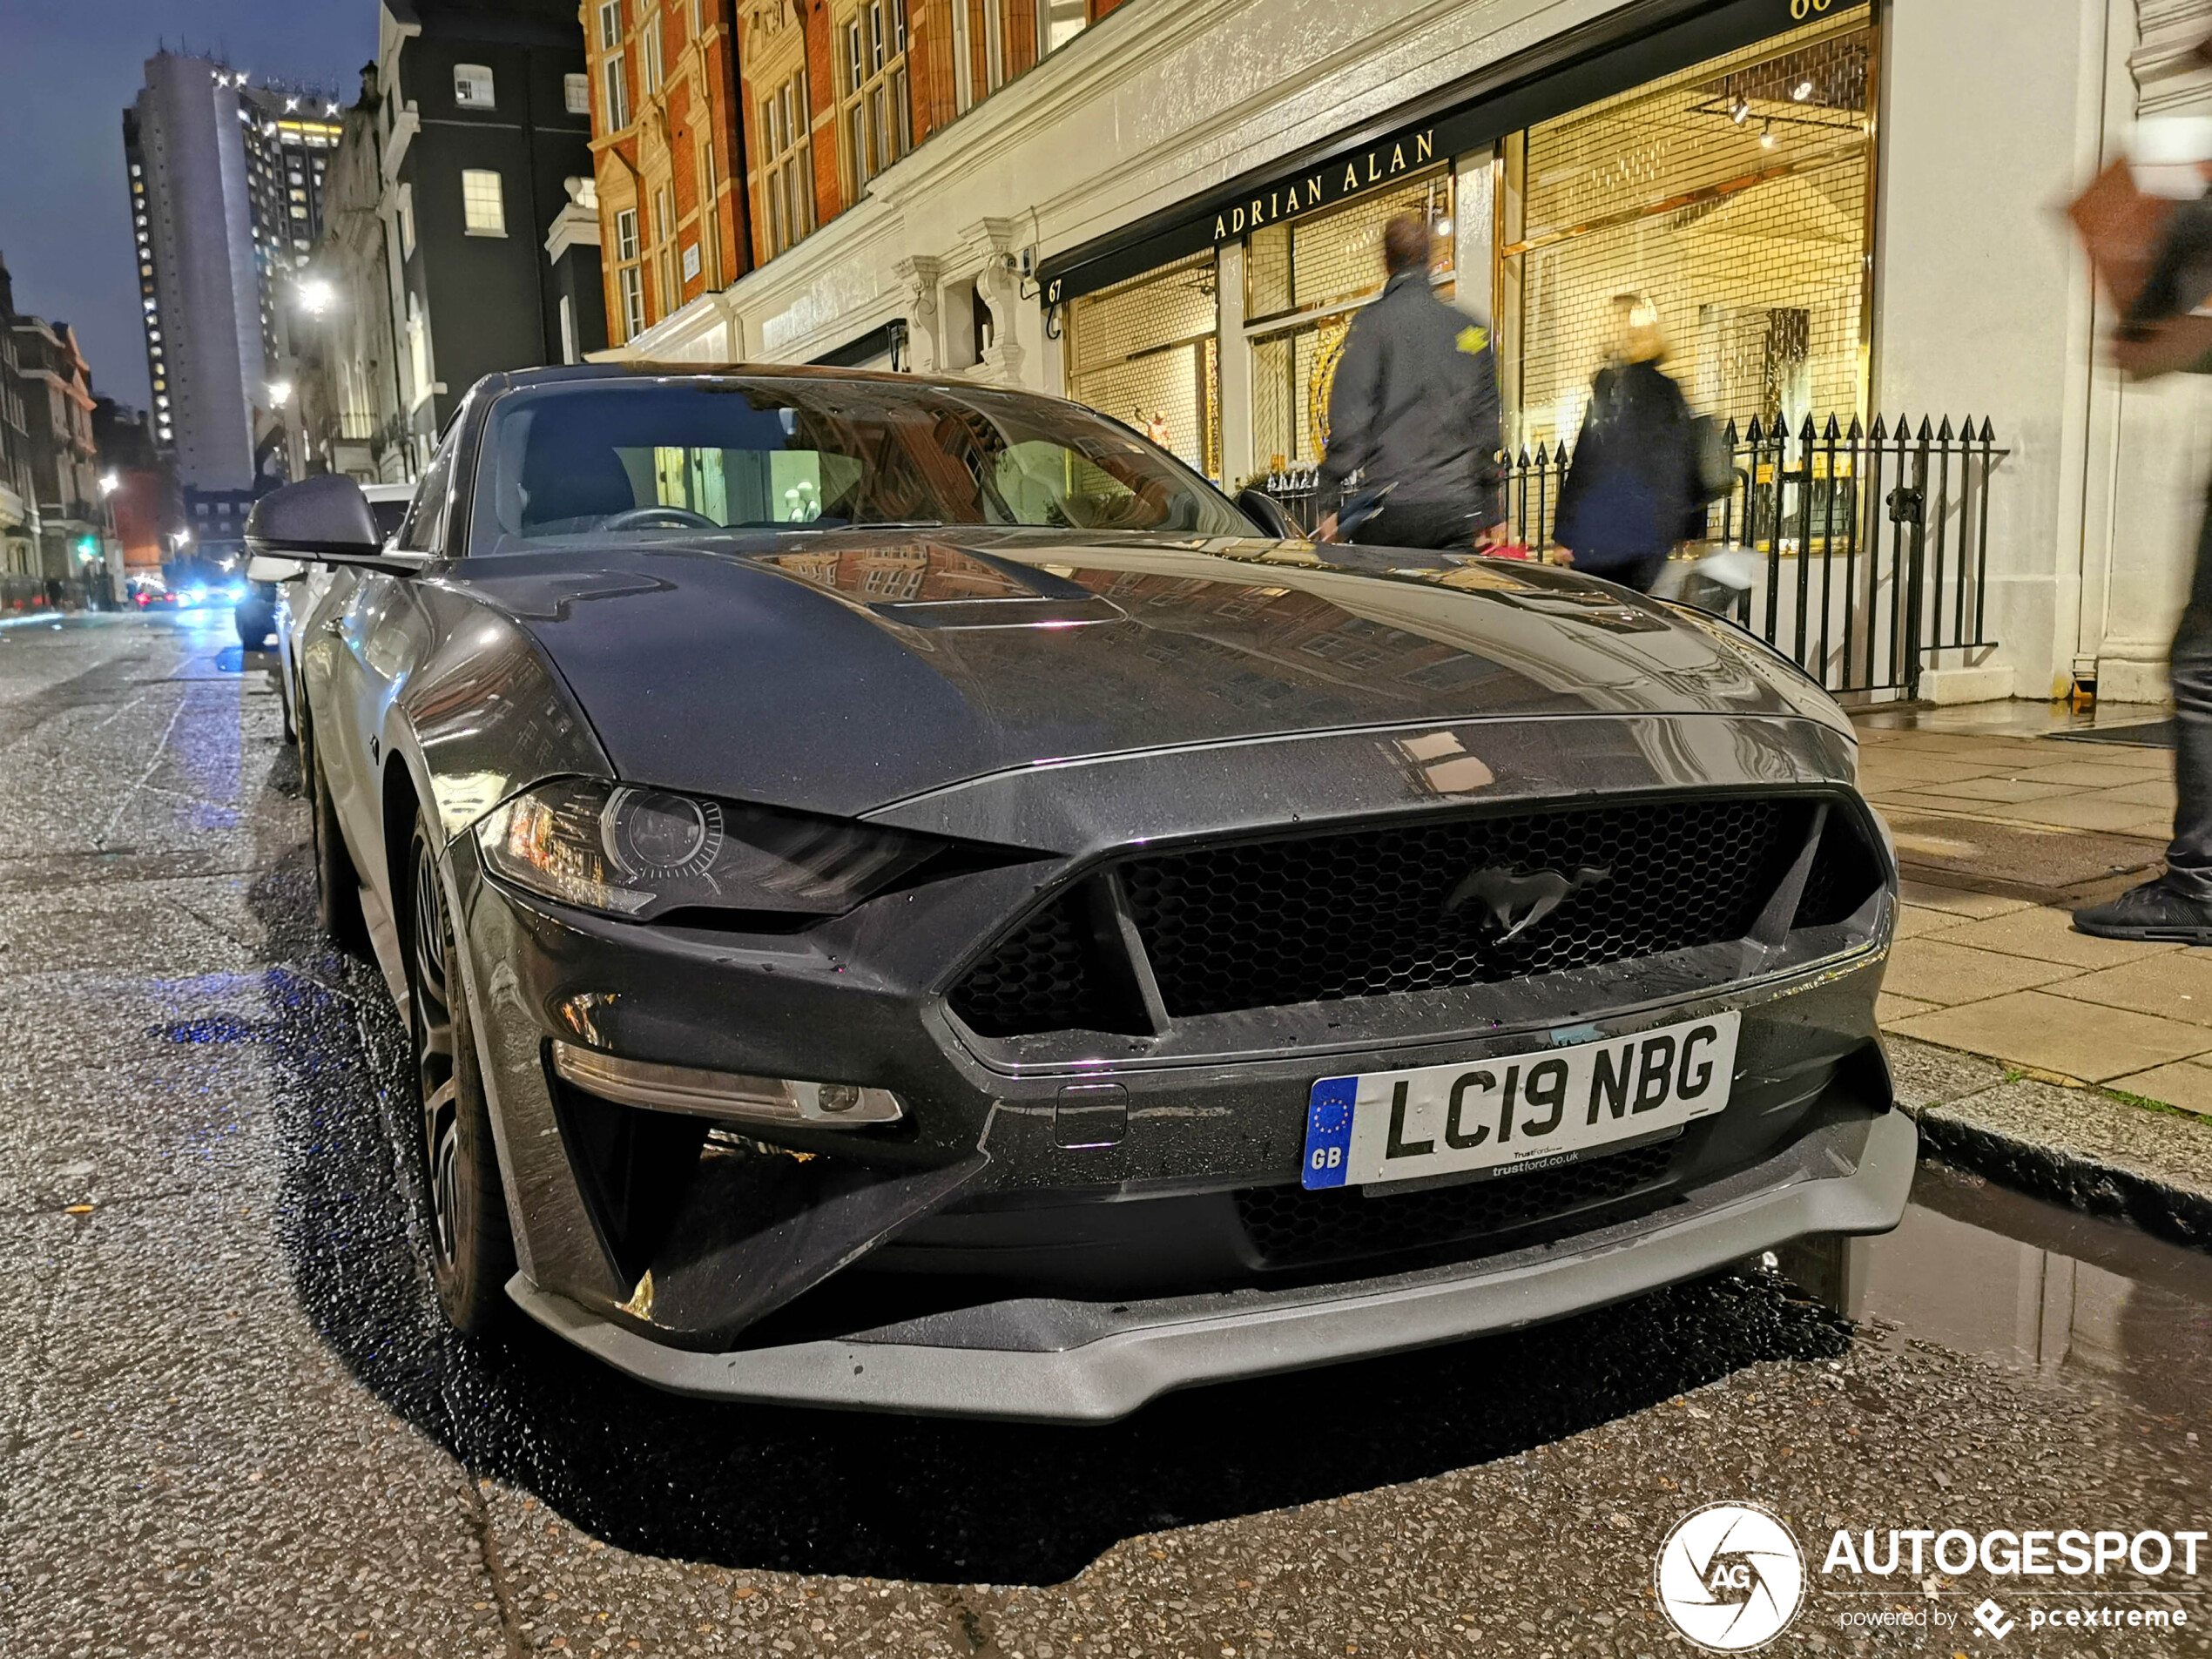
<point x="1414" y="408"/>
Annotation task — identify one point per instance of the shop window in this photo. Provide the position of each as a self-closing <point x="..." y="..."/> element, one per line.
<point x="1734" y="198"/>
<point x="1305" y="279"/>
<point x="874" y="123"/>
<point x="472" y="88"/>
<point x="1146" y="352"/>
<point x="786" y="179"/>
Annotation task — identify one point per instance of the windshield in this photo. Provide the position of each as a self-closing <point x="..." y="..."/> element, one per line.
<point x="652" y="458"/>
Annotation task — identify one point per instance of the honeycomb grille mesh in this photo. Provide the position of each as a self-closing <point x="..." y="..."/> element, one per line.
<point x="1041" y="977"/>
<point x="1290" y="1227"/>
<point x="1373" y="912"/>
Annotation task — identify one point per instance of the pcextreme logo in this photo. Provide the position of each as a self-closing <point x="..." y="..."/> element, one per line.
<point x="1731" y="1577"/>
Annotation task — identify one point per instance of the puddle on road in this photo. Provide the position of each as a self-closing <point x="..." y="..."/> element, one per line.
<point x="1984" y="1269"/>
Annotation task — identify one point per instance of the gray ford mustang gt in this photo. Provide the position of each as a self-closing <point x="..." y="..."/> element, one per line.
<point x="905" y="897"/>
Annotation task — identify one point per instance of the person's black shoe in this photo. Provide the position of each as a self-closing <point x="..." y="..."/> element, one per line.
<point x="2152" y="913"/>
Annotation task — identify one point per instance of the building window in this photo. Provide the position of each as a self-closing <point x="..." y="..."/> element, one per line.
<point x="483" y="209"/>
<point x="614" y="81"/>
<point x="629" y="279"/>
<point x="1058" y="22"/>
<point x="664" y="229"/>
<point x="650" y="74"/>
<point x="576" y="94"/>
<point x="472" y="88"/>
<point x="788" y="172"/>
<point x="874" y="122"/>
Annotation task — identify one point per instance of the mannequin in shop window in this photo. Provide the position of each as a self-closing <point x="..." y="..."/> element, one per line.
<point x="1413" y="413"/>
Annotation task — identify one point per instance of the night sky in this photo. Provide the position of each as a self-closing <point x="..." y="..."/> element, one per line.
<point x="67" y="69"/>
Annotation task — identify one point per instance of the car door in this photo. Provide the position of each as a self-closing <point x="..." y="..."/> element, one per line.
<point x="375" y="631"/>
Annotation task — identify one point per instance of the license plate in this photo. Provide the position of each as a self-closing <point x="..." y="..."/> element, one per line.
<point x="1543" y="1107"/>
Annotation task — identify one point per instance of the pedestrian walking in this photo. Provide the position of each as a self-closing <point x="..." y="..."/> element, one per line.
<point x="1632" y="488"/>
<point x="2156" y="335"/>
<point x="1413" y="411"/>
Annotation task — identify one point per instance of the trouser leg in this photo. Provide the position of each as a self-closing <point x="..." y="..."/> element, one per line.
<point x="2188" y="859"/>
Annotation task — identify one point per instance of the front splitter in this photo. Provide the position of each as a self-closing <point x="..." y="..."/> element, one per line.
<point x="1850" y="1178"/>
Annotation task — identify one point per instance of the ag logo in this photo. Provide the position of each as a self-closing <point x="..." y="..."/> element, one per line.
<point x="1731" y="1577"/>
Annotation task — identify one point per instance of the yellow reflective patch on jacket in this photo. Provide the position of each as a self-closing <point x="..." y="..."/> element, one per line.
<point x="1473" y="340"/>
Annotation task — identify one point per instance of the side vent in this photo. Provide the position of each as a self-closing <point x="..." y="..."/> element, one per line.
<point x="1846" y="873"/>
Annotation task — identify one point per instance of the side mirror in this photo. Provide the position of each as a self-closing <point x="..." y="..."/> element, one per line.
<point x="326" y="520"/>
<point x="262" y="568"/>
<point x="1268" y="513"/>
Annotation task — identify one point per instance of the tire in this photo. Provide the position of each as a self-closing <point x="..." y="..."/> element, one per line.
<point x="472" y="1247"/>
<point x="284" y="703"/>
<point x="338" y="894"/>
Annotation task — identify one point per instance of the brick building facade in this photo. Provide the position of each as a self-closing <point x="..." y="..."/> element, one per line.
<point x="666" y="141"/>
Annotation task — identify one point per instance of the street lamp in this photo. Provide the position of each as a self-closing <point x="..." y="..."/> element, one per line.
<point x="316" y="294"/>
<point x="279" y="394"/>
<point x="110" y="484"/>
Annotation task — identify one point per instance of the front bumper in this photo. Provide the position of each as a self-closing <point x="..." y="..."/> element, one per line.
<point x="1050" y="1360"/>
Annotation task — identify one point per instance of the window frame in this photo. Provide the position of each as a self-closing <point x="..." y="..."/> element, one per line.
<point x="472" y="178"/>
<point x="787" y="206"/>
<point x="652" y="72"/>
<point x="468" y="75"/>
<point x="875" y="119"/>
<point x="576" y="93"/>
<point x="630" y="278"/>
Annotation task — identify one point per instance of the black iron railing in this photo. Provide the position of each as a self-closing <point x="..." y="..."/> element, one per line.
<point x="1871" y="544"/>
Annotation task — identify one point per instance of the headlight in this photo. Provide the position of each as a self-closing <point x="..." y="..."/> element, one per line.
<point x="642" y="852"/>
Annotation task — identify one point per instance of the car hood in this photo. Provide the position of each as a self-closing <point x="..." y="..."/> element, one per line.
<point x="841" y="672"/>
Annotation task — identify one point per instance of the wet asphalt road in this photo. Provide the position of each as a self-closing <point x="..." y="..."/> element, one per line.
<point x="230" y="1425"/>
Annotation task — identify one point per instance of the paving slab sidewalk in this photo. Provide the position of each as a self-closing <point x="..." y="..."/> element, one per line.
<point x="2074" y="1066"/>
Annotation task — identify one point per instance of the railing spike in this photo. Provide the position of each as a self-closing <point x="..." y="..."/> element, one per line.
<point x="1943" y="432"/>
<point x="1543" y="457"/>
<point x="1730" y="434"/>
<point x="1833" y="431"/>
<point x="1752" y="434"/>
<point x="1858" y="431"/>
<point x="1805" y="434"/>
<point x="1926" y="435"/>
<point x="1988" y="432"/>
<point x="1522" y="458"/>
<point x="1880" y="434"/>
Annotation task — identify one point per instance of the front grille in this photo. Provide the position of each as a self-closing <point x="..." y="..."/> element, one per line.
<point x="1365" y="913"/>
<point x="1292" y="1227"/>
<point x="1370" y="912"/>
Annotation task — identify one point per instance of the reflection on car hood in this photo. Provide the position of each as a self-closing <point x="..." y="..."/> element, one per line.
<point x="840" y="670"/>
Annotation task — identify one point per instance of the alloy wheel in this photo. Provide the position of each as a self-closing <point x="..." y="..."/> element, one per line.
<point x="436" y="1083"/>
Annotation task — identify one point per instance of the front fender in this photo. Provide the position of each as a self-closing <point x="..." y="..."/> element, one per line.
<point x="482" y="714"/>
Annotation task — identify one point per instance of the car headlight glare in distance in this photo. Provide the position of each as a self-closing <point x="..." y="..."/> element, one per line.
<point x="633" y="852"/>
